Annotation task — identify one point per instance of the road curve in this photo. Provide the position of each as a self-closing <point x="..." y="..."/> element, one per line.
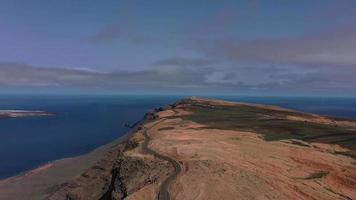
<point x="164" y="187"/>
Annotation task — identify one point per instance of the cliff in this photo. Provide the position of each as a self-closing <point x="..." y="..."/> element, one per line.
<point x="211" y="149"/>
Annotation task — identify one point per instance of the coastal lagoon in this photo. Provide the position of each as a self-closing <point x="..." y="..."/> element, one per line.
<point x="82" y="123"/>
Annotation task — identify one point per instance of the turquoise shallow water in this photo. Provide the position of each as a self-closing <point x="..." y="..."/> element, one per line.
<point x="82" y="123"/>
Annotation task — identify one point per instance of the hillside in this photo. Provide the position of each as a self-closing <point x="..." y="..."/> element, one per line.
<point x="210" y="149"/>
<point x="227" y="150"/>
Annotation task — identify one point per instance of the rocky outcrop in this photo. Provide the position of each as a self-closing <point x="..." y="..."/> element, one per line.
<point x="131" y="174"/>
<point x="123" y="171"/>
<point x="114" y="177"/>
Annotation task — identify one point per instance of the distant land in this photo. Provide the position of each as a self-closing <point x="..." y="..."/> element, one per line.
<point x="22" y="113"/>
<point x="200" y="148"/>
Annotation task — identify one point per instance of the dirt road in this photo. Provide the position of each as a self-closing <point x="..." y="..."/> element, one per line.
<point x="164" y="188"/>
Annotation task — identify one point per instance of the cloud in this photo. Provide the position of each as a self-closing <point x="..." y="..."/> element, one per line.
<point x="181" y="61"/>
<point x="124" y="26"/>
<point x="181" y="78"/>
<point x="110" y="32"/>
<point x="23" y="74"/>
<point x="326" y="78"/>
<point x="17" y="74"/>
<point x="325" y="48"/>
<point x="116" y="31"/>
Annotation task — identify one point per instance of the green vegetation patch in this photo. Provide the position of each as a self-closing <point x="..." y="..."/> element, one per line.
<point x="300" y="143"/>
<point x="235" y="138"/>
<point x="130" y="144"/>
<point x="317" y="175"/>
<point x="351" y="153"/>
<point x="166" y="128"/>
<point x="271" y="123"/>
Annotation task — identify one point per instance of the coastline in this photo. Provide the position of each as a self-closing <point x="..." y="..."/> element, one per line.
<point x="213" y="158"/>
<point x="57" y="172"/>
<point x="141" y="163"/>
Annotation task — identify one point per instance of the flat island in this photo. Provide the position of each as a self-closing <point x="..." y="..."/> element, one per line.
<point x="211" y="149"/>
<point x="22" y="113"/>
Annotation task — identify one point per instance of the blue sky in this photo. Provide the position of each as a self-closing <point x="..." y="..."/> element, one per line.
<point x="235" y="47"/>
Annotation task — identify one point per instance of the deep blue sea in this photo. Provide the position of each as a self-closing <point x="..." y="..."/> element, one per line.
<point x="83" y="122"/>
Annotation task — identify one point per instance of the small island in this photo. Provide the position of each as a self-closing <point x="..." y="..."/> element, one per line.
<point x="22" y="113"/>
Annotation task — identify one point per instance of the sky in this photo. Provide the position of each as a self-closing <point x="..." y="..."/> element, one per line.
<point x="251" y="47"/>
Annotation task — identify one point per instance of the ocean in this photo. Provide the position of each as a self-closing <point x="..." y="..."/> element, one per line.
<point x="84" y="122"/>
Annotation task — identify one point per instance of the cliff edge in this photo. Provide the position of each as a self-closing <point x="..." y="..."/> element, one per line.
<point x="211" y="149"/>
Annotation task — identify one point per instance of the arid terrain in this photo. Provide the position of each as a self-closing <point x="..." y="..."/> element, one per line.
<point x="210" y="149"/>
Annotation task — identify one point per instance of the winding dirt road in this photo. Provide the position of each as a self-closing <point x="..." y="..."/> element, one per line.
<point x="164" y="188"/>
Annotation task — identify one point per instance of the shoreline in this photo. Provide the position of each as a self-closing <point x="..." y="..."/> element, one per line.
<point x="182" y="148"/>
<point x="33" y="170"/>
<point x="181" y="138"/>
<point x="14" y="187"/>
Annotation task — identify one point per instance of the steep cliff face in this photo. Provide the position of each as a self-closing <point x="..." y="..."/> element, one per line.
<point x="211" y="149"/>
<point x="131" y="174"/>
<point x="125" y="169"/>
